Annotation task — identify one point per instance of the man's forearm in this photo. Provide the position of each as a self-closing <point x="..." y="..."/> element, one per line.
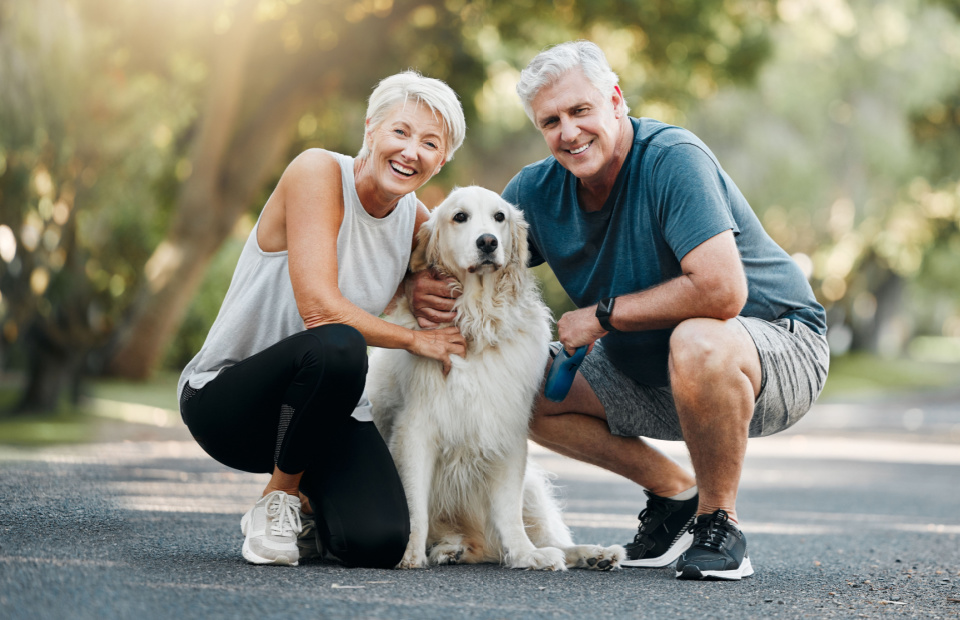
<point x="668" y="304"/>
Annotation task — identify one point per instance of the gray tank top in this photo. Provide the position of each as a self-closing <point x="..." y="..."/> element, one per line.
<point x="260" y="309"/>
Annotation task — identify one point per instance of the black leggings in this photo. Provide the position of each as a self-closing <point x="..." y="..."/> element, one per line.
<point x="290" y="406"/>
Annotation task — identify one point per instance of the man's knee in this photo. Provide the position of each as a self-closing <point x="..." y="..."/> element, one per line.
<point x="698" y="348"/>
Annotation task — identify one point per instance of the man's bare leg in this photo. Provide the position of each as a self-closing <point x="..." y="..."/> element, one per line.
<point x="715" y="375"/>
<point x="577" y="427"/>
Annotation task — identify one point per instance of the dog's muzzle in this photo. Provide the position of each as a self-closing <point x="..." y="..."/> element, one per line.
<point x="487" y="243"/>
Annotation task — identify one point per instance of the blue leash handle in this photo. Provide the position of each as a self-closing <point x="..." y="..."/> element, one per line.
<point x="561" y="374"/>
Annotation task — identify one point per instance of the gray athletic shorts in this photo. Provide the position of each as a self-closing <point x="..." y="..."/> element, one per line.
<point x="794" y="360"/>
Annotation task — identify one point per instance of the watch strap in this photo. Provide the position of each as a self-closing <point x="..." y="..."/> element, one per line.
<point x="604" y="310"/>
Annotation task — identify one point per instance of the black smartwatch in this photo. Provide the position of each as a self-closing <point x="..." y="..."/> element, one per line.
<point x="604" y="310"/>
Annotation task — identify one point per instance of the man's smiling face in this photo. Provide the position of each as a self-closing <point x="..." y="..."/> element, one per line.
<point x="581" y="125"/>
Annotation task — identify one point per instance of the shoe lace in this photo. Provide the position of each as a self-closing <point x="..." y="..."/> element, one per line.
<point x="285" y="516"/>
<point x="711" y="533"/>
<point x="650" y="518"/>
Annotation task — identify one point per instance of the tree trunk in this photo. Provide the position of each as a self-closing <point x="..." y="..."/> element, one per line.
<point x="884" y="333"/>
<point x="890" y="335"/>
<point x="52" y="371"/>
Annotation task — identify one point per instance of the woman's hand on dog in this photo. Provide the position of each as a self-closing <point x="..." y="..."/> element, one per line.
<point x="431" y="298"/>
<point x="579" y="327"/>
<point x="439" y="344"/>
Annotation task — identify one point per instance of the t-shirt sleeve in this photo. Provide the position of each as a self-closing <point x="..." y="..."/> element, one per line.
<point x="511" y="193"/>
<point x="691" y="198"/>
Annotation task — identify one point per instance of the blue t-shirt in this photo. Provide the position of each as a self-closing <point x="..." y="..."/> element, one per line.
<point x="670" y="196"/>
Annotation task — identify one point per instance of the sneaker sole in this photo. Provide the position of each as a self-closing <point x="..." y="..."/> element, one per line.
<point x="683" y="543"/>
<point x="692" y="572"/>
<point x="253" y="558"/>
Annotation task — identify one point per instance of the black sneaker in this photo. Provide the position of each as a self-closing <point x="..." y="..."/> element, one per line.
<point x="719" y="550"/>
<point x="664" y="531"/>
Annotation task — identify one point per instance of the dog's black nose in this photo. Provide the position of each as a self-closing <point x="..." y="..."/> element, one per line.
<point x="487" y="243"/>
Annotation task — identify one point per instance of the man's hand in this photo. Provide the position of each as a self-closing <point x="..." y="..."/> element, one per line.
<point x="431" y="298"/>
<point x="579" y="327"/>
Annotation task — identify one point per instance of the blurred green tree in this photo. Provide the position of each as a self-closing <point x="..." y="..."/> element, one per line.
<point x="78" y="216"/>
<point x="137" y="135"/>
<point x="847" y="148"/>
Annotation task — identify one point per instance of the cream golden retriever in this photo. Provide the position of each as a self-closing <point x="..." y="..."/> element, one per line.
<point x="460" y="441"/>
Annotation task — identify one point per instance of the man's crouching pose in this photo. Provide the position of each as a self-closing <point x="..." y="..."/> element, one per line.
<point x="702" y="328"/>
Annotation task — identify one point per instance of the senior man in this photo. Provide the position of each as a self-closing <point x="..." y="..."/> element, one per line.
<point x="702" y="328"/>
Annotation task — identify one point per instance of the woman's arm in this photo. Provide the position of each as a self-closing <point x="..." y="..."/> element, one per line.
<point x="309" y="201"/>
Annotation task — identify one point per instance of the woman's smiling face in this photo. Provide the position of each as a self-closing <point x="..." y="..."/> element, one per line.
<point x="407" y="148"/>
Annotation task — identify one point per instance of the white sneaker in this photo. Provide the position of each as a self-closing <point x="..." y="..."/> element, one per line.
<point x="271" y="528"/>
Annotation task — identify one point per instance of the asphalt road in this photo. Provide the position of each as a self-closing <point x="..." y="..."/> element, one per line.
<point x="855" y="512"/>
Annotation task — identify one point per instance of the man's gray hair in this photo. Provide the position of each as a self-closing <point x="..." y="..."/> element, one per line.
<point x="433" y="93"/>
<point x="550" y="64"/>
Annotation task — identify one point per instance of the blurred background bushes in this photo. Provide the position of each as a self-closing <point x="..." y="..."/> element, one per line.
<point x="139" y="140"/>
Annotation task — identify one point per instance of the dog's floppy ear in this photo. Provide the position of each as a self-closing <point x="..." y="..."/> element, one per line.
<point x="426" y="253"/>
<point x="519" y="255"/>
<point x="515" y="270"/>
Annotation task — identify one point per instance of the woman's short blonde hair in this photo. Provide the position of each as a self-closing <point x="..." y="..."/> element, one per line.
<point x="433" y="93"/>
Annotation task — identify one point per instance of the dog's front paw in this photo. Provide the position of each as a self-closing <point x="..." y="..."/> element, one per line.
<point x="546" y="558"/>
<point x="413" y="557"/>
<point x="595" y="557"/>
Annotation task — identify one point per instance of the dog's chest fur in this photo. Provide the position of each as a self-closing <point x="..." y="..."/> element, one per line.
<point x="481" y="410"/>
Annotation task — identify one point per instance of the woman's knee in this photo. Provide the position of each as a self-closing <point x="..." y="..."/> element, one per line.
<point x="340" y="347"/>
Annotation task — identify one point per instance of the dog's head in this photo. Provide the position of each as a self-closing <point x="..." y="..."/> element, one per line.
<point x="473" y="231"/>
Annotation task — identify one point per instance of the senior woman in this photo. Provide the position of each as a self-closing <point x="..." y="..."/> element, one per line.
<point x="278" y="385"/>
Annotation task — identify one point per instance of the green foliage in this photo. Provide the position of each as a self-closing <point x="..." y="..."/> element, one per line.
<point x="160" y="391"/>
<point x="859" y="375"/>
<point x="80" y="140"/>
<point x="46" y="429"/>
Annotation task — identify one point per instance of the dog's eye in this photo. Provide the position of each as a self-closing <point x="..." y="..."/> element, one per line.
<point x="499" y="216"/>
<point x="460" y="217"/>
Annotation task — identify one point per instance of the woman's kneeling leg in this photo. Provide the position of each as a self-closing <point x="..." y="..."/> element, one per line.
<point x="358" y="499"/>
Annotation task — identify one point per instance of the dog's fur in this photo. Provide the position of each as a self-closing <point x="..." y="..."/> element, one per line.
<point x="460" y="441"/>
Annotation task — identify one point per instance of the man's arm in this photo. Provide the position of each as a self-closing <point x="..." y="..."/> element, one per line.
<point x="713" y="285"/>
<point x="431" y="298"/>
